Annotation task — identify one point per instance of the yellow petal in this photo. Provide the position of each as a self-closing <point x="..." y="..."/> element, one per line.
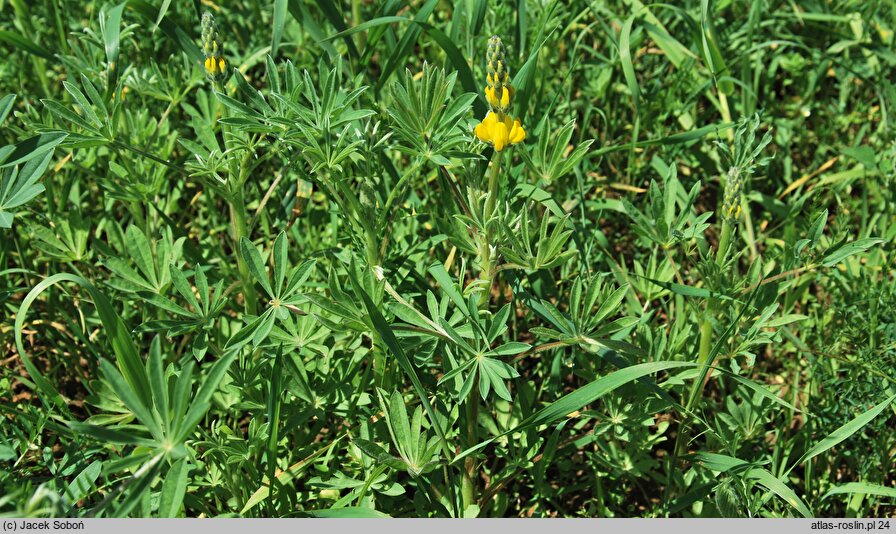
<point x="500" y="134"/>
<point x="482" y="132"/>
<point x="517" y="133"/>
<point x="505" y="99"/>
<point x="210" y="65"/>
<point x="483" y="129"/>
<point x="490" y="97"/>
<point x="222" y="65"/>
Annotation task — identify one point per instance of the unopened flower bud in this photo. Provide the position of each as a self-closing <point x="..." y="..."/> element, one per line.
<point x="731" y="200"/>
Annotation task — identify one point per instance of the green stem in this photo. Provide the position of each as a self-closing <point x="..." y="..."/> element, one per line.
<point x="356" y="16"/>
<point x="240" y="230"/>
<point x="706" y="324"/>
<point x="750" y="237"/>
<point x="486" y="275"/>
<point x="493" y="183"/>
<point x="485" y="256"/>
<point x="706" y="333"/>
<point x="237" y="203"/>
<point x="706" y="339"/>
<point x="468" y="482"/>
<point x="726" y="113"/>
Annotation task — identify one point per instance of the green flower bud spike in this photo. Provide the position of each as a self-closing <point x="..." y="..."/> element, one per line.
<point x="499" y="92"/>
<point x="731" y="200"/>
<point x="213" y="48"/>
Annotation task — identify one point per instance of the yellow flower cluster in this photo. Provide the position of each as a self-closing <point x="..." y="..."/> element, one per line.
<point x="215" y="64"/>
<point x="498" y="128"/>
<point x="215" y="68"/>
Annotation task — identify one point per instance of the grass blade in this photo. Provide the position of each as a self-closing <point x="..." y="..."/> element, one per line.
<point x="844" y="432"/>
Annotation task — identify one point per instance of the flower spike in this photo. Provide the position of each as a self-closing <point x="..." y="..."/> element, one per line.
<point x="498" y="128"/>
<point x="213" y="48"/>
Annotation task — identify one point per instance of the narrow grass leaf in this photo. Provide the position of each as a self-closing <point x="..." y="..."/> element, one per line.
<point x="782" y="490"/>
<point x="278" y="23"/>
<point x="864" y="488"/>
<point x="844" y="432"/>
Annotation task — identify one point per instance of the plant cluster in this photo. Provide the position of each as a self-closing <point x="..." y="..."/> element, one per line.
<point x="448" y="259"/>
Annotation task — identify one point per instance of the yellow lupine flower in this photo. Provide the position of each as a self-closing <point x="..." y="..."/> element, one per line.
<point x="499" y="130"/>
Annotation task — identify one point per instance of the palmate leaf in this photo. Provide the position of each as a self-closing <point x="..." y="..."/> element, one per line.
<point x="382" y="328"/>
<point x="588" y="324"/>
<point x="256" y="266"/>
<point x="549" y="248"/>
<point x="152" y="259"/>
<point x="141" y="387"/>
<point x="67" y="240"/>
<point x="418" y="451"/>
<point x="547" y="158"/>
<point x="88" y="112"/>
<point x="19" y="185"/>
<point x="428" y="116"/>
<point x="21" y="166"/>
<point x="198" y="317"/>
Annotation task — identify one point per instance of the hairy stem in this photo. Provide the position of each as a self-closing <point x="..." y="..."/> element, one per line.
<point x="486" y="261"/>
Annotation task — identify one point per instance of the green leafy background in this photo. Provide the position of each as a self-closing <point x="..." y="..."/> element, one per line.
<point x="297" y="293"/>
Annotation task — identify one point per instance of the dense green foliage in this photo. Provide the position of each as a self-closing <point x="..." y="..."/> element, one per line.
<point x="258" y="263"/>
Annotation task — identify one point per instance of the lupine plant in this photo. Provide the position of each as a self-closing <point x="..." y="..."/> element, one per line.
<point x="447" y="259"/>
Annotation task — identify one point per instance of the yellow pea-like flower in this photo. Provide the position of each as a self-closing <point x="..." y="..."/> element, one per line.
<point x="496" y="102"/>
<point x="500" y="130"/>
